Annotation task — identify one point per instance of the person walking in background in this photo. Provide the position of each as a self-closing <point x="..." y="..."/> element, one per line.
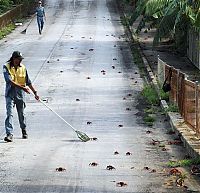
<point x="40" y="16"/>
<point x="17" y="84"/>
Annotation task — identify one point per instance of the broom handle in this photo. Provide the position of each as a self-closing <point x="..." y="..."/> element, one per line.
<point x="56" y="113"/>
<point x="30" y="22"/>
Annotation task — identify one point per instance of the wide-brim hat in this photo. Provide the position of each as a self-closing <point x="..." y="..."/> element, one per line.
<point x="17" y="54"/>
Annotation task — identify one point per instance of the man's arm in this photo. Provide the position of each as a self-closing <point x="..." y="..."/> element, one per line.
<point x="8" y="79"/>
<point x="29" y="84"/>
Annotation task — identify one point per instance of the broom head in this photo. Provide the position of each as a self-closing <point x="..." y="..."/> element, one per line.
<point x="82" y="136"/>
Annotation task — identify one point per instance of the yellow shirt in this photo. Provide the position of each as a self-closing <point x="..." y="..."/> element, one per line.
<point x="18" y="75"/>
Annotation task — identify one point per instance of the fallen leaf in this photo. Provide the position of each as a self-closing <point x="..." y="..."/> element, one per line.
<point x="148" y="132"/>
<point x="176" y="142"/>
<point x="93" y="164"/>
<point x="164" y="149"/>
<point x="121" y="184"/>
<point x="116" y="153"/>
<point x="60" y="169"/>
<point x="128" y="153"/>
<point x="195" y="170"/>
<point x="153" y="171"/>
<point x="175" y="172"/>
<point x="93" y="139"/>
<point x="109" y="167"/>
<point x="146" y="168"/>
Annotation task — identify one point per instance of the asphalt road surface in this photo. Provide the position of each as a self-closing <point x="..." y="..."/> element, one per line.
<point x="82" y="67"/>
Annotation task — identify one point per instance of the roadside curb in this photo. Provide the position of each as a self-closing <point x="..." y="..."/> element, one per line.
<point x="189" y="137"/>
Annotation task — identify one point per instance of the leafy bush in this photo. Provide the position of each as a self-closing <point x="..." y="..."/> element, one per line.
<point x="6" y="30"/>
<point x="150" y="94"/>
<point x="164" y="95"/>
<point x="5" y="5"/>
<point x="172" y="108"/>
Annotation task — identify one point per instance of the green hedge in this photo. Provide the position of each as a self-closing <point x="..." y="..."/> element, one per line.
<point x="5" y="5"/>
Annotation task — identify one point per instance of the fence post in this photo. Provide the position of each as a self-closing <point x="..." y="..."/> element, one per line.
<point x="177" y="87"/>
<point x="197" y="105"/>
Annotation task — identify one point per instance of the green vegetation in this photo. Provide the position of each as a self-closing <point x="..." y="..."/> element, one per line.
<point x="6" y="30"/>
<point x="150" y="95"/>
<point x="184" y="162"/>
<point x="172" y="108"/>
<point x="149" y="119"/>
<point x="171" y="19"/>
<point x="164" y="95"/>
<point x="151" y="110"/>
<point x="5" y="5"/>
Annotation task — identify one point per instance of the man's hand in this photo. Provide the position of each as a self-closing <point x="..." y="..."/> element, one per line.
<point x="36" y="96"/>
<point x="27" y="90"/>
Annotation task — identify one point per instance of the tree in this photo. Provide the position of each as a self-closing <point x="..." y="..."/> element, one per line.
<point x="5" y="5"/>
<point x="168" y="16"/>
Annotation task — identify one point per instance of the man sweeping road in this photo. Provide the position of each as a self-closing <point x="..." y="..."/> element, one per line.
<point x="17" y="84"/>
<point x="40" y="16"/>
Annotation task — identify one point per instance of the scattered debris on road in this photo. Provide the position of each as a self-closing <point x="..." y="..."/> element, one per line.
<point x="128" y="153"/>
<point x="93" y="164"/>
<point x="175" y="172"/>
<point x="109" y="167"/>
<point x="60" y="169"/>
<point x="121" y="184"/>
<point x="93" y="138"/>
<point x="116" y="153"/>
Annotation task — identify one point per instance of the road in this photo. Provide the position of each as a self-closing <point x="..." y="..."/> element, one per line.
<point x="82" y="67"/>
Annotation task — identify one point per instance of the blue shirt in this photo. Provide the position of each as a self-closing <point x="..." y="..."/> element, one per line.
<point x="40" y="11"/>
<point x="13" y="91"/>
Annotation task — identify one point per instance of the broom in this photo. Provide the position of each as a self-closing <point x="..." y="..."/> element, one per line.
<point x="82" y="136"/>
<point x="24" y="31"/>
